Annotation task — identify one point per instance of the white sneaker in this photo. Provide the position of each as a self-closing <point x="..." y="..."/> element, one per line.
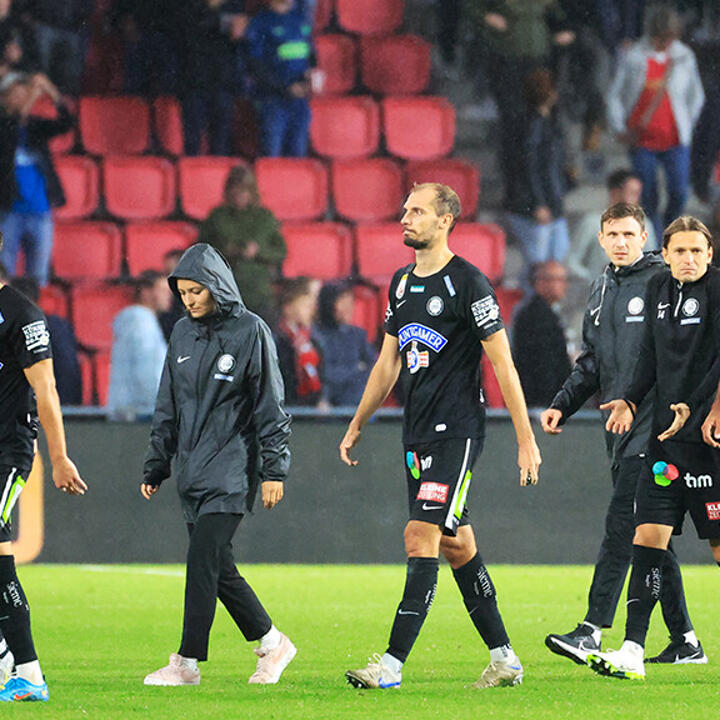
<point x="271" y="663"/>
<point x="174" y="673"/>
<point x="374" y="675"/>
<point x="501" y="674"/>
<point x="626" y="663"/>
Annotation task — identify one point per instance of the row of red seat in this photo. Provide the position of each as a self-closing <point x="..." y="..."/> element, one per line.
<point x="341" y="127"/>
<point x="95" y="250"/>
<point x="147" y="187"/>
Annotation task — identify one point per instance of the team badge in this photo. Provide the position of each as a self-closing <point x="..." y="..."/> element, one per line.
<point x="225" y="363"/>
<point x="636" y="305"/>
<point x="36" y="335"/>
<point x="400" y="289"/>
<point x="690" y="307"/>
<point x="435" y="305"/>
<point x="417" y="359"/>
<point x="485" y="311"/>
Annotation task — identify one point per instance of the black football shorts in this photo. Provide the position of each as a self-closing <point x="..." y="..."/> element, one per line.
<point x="12" y="481"/>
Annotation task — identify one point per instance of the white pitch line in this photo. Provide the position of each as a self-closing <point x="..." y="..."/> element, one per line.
<point x="131" y="570"/>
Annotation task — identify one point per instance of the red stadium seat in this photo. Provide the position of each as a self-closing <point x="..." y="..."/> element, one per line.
<point x="167" y="124"/>
<point x="44" y="107"/>
<point x="395" y="65"/>
<point x="337" y="58"/>
<point x="147" y="243"/>
<point x="320" y="250"/>
<point x="323" y="13"/>
<point x="370" y="17"/>
<point x="482" y="245"/>
<point x="114" y="125"/>
<point x="87" y="379"/>
<point x="101" y="371"/>
<point x="202" y="180"/>
<point x="139" y="188"/>
<point x="380" y="251"/>
<point x="461" y="175"/>
<point x="54" y="301"/>
<point x="293" y="188"/>
<point x="344" y="128"/>
<point x="508" y="299"/>
<point x="80" y="180"/>
<point x="367" y="190"/>
<point x="491" y="387"/>
<point x="418" y="128"/>
<point x="93" y="309"/>
<point x="87" y="250"/>
<point x="369" y="310"/>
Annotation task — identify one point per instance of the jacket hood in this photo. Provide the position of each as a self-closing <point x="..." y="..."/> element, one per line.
<point x="205" y="265"/>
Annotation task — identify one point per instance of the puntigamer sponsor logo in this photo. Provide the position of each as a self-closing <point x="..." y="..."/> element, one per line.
<point x="425" y="335"/>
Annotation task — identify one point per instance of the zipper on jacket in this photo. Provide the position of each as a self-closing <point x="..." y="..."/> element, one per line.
<point x="679" y="302"/>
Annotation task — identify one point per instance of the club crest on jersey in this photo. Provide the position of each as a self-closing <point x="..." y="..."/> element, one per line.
<point x="435" y="305"/>
<point x="423" y="334"/>
<point x="690" y="307"/>
<point x="400" y="289"/>
<point x="417" y="359"/>
<point x="636" y="305"/>
<point x="225" y="363"/>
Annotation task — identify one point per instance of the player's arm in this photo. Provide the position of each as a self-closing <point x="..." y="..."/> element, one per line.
<point x="41" y="377"/>
<point x="382" y="379"/>
<point x="497" y="348"/>
<point x="711" y="426"/>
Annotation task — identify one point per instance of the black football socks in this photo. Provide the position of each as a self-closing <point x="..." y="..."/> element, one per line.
<point x="643" y="591"/>
<point x="420" y="585"/>
<point x="15" y="613"/>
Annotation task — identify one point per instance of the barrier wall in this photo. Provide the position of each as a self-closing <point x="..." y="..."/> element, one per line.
<point x="332" y="513"/>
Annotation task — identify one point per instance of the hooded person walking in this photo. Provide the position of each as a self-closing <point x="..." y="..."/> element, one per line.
<point x="219" y="414"/>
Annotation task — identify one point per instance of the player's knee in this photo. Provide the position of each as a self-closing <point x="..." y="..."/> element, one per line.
<point x="421" y="540"/>
<point x="458" y="551"/>
<point x="653" y="536"/>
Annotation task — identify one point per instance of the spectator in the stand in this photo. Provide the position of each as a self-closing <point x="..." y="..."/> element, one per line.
<point x="282" y="58"/>
<point x="249" y="236"/>
<point x="586" y="258"/>
<point x="539" y="346"/>
<point x="168" y="318"/>
<point x="29" y="185"/>
<point x="150" y="53"/>
<point x="64" y="347"/>
<point x="62" y="32"/>
<point x="654" y="102"/>
<point x="18" y="50"/>
<point x="347" y="356"/>
<point x="298" y="349"/>
<point x="516" y="36"/>
<point x="138" y="350"/>
<point x="706" y="144"/>
<point x="210" y="32"/>
<point x="536" y="195"/>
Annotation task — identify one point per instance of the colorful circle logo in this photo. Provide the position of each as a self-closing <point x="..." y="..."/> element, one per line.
<point x="664" y="473"/>
<point x="413" y="464"/>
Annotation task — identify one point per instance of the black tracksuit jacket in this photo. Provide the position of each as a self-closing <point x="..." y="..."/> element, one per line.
<point x="613" y="327"/>
<point x="219" y="410"/>
<point x="679" y="351"/>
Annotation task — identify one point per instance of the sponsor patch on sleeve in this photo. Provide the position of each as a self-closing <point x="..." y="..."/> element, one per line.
<point x="37" y="337"/>
<point x="713" y="510"/>
<point x="436" y="492"/>
<point x="485" y="311"/>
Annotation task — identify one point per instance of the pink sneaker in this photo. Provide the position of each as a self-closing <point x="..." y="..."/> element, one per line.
<point x="271" y="663"/>
<point x="174" y="673"/>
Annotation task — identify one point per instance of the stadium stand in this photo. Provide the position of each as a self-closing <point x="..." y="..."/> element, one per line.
<point x="80" y="180"/>
<point x="337" y="58"/>
<point x="372" y="17"/>
<point x="45" y="108"/>
<point x="54" y="301"/>
<point x="139" y="188"/>
<point x="395" y="65"/>
<point x="201" y="181"/>
<point x="114" y="125"/>
<point x="368" y="311"/>
<point x="402" y="116"/>
<point x="146" y="243"/>
<point x="482" y="245"/>
<point x="94" y="305"/>
<point x="367" y="190"/>
<point x="345" y="127"/>
<point x="379" y="251"/>
<point x="461" y="175"/>
<point x="86" y="251"/>
<point x="321" y="250"/>
<point x="293" y="188"/>
<point x="167" y="125"/>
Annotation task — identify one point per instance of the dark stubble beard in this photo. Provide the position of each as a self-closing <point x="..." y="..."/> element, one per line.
<point x="416" y="243"/>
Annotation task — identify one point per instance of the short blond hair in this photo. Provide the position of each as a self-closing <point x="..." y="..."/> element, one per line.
<point x="446" y="200"/>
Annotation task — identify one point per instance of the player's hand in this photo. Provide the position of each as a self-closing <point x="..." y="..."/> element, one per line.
<point x="272" y="493"/>
<point x="67" y="478"/>
<point x="529" y="461"/>
<point x="711" y="428"/>
<point x="147" y="491"/>
<point x="550" y="419"/>
<point x="682" y="413"/>
<point x="621" y="416"/>
<point x="352" y="436"/>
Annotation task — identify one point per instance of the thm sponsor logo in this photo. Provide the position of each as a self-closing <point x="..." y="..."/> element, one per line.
<point x="701" y="481"/>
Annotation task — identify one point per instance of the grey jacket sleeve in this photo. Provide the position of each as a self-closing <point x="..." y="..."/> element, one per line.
<point x="164" y="431"/>
<point x="272" y="423"/>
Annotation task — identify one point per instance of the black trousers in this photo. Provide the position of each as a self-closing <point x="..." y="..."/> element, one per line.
<point x="616" y="554"/>
<point x="211" y="575"/>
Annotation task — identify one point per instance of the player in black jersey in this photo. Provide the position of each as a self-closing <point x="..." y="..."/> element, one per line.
<point x="26" y="373"/>
<point x="679" y="362"/>
<point x="442" y="313"/>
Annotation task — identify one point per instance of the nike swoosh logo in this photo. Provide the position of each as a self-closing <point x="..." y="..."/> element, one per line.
<point x="18" y="696"/>
<point x="407" y="612"/>
<point x="182" y="359"/>
<point x="662" y="306"/>
<point x="402" y="302"/>
<point x="432" y="507"/>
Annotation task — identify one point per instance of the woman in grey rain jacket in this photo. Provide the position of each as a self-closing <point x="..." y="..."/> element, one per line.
<point x="219" y="415"/>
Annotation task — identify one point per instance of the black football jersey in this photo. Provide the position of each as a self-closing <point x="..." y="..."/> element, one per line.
<point x="24" y="341"/>
<point x="440" y="322"/>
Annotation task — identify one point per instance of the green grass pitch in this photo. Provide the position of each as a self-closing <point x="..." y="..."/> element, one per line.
<point x="99" y="630"/>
